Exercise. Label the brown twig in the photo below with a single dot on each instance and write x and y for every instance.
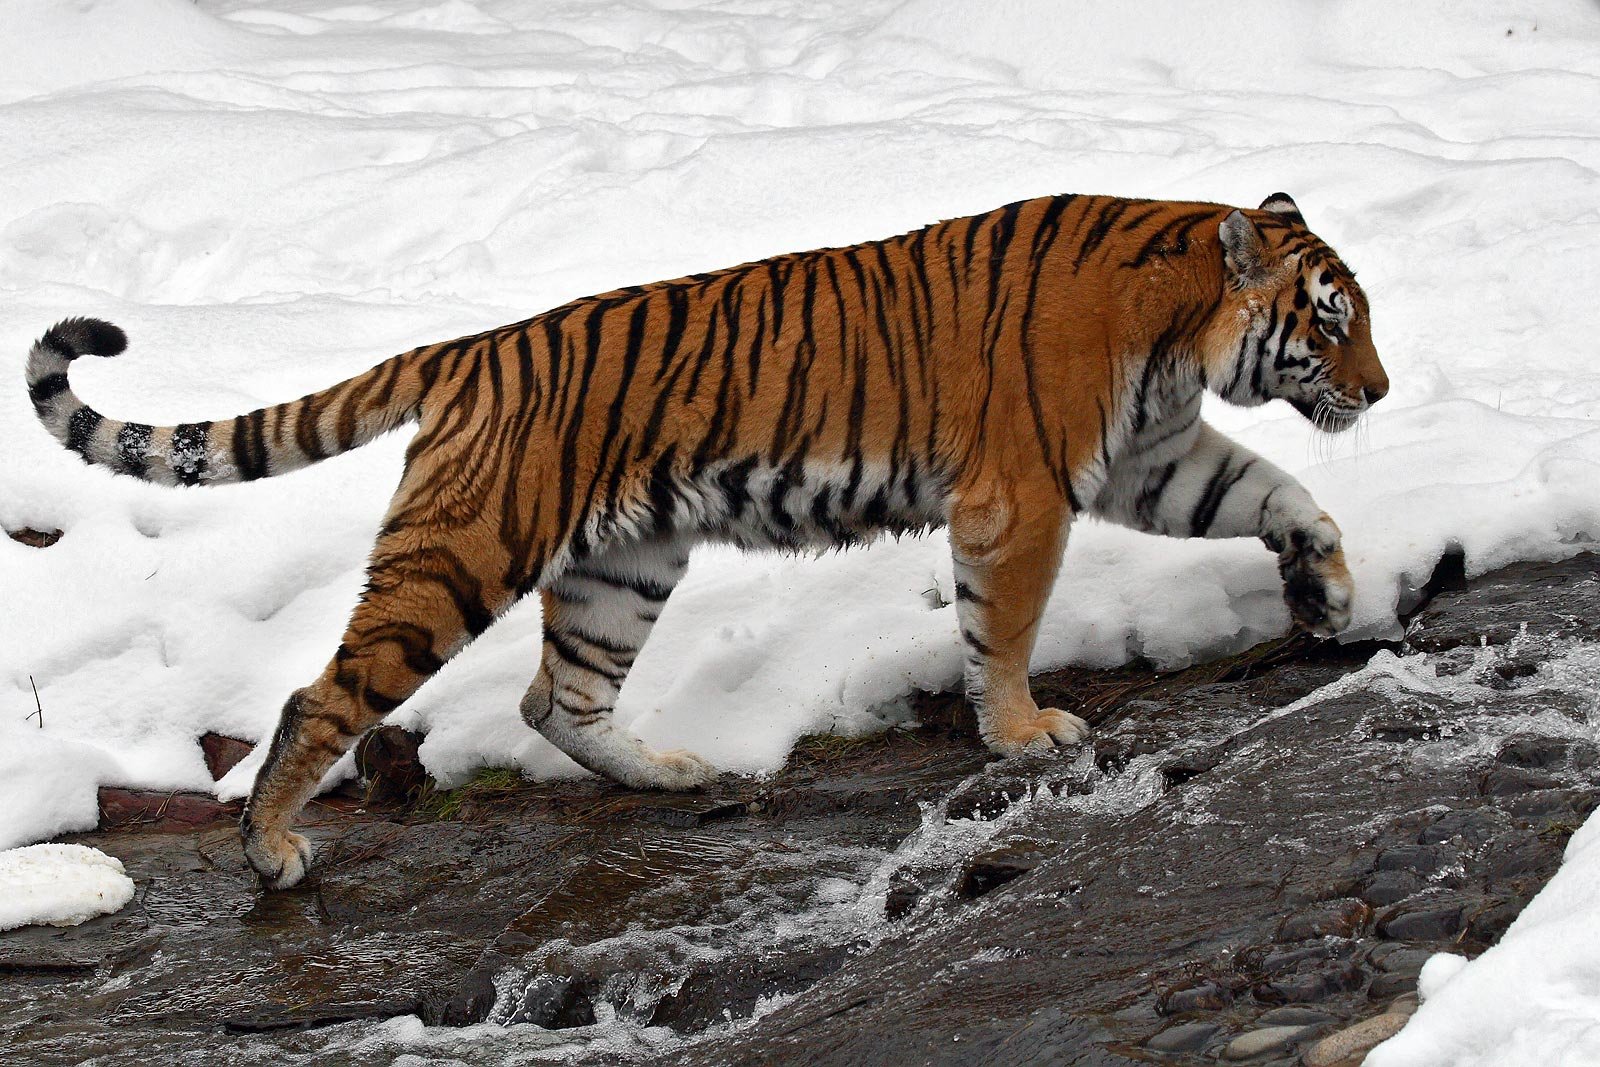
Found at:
(40, 707)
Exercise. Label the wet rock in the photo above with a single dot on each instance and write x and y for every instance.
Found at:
(554, 1002)
(34, 538)
(1280, 959)
(1421, 921)
(1400, 959)
(310, 1018)
(691, 813)
(153, 810)
(1540, 752)
(1260, 1042)
(1404, 730)
(1295, 1016)
(1405, 1004)
(1203, 995)
(1507, 781)
(1390, 887)
(1189, 1037)
(1471, 828)
(1351, 1044)
(46, 962)
(988, 872)
(1449, 575)
(1567, 805)
(906, 888)
(1486, 923)
(1306, 987)
(387, 761)
(1526, 856)
(1421, 859)
(985, 799)
(1543, 599)
(1335, 918)
(222, 753)
(1190, 765)
(1385, 986)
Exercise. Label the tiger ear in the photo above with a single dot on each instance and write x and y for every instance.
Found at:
(1243, 251)
(1283, 204)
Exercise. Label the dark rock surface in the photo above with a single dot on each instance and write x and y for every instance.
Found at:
(1223, 866)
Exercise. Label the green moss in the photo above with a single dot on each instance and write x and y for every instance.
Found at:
(441, 805)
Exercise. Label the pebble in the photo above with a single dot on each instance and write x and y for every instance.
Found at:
(1293, 1016)
(1354, 1041)
(1423, 924)
(1185, 1038)
(1201, 996)
(1336, 918)
(1257, 1042)
(1400, 959)
(1390, 887)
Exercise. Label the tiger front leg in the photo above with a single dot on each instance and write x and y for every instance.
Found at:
(1007, 548)
(1221, 489)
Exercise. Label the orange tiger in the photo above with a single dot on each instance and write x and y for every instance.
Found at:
(999, 375)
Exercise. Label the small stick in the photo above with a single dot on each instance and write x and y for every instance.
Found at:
(40, 707)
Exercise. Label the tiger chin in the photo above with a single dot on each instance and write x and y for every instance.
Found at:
(999, 375)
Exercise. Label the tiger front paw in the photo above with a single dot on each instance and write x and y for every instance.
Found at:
(1038, 732)
(281, 858)
(1316, 582)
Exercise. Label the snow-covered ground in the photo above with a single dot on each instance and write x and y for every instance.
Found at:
(271, 195)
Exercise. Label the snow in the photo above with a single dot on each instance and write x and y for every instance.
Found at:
(271, 195)
(59, 885)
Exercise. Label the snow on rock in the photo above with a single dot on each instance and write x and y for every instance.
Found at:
(272, 195)
(1530, 1001)
(59, 885)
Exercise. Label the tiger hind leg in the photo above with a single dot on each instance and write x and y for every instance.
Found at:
(427, 594)
(1007, 547)
(597, 615)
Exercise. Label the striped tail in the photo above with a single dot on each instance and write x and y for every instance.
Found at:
(266, 442)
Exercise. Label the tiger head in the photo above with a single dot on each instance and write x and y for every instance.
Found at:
(1294, 323)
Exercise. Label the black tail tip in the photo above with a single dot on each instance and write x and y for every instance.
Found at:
(85, 337)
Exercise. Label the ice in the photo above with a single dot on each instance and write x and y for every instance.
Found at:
(59, 885)
(271, 195)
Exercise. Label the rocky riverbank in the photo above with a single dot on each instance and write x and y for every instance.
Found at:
(1248, 863)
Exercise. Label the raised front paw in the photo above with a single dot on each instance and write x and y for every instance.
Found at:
(1038, 732)
(281, 858)
(1316, 582)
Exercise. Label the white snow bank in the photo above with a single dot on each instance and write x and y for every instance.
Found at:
(272, 195)
(1533, 1000)
(59, 885)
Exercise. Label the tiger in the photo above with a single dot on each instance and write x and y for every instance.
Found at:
(999, 375)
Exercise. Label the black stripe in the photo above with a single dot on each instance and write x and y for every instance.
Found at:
(81, 429)
(249, 446)
(133, 448)
(1222, 482)
(187, 453)
(570, 653)
(46, 388)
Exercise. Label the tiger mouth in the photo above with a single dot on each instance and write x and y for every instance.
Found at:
(1326, 414)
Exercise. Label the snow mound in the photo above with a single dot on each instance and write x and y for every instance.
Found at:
(1530, 1001)
(59, 885)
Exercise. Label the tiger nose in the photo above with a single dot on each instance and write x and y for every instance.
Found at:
(1374, 393)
